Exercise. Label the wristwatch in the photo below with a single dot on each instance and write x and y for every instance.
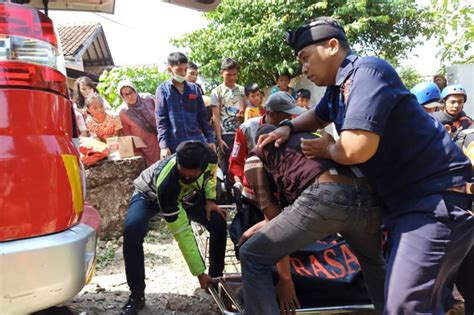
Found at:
(287, 123)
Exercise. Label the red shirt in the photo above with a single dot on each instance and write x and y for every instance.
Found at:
(244, 143)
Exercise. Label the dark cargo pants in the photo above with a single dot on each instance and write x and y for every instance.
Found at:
(426, 246)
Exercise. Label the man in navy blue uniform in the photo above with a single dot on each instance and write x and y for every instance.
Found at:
(387, 134)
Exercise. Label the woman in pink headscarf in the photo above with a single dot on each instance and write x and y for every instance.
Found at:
(137, 114)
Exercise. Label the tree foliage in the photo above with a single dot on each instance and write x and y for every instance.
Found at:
(252, 32)
(451, 25)
(145, 79)
(409, 76)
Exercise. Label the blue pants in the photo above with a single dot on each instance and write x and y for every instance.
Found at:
(140, 212)
(465, 281)
(427, 242)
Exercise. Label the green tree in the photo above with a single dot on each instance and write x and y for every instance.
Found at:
(409, 76)
(253, 32)
(451, 25)
(145, 79)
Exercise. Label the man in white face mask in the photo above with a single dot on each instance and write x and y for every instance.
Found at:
(180, 111)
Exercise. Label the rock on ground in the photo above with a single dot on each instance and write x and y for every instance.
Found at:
(109, 188)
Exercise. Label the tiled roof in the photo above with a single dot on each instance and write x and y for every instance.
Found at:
(73, 37)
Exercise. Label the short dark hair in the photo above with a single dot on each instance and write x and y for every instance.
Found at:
(177, 58)
(344, 44)
(192, 65)
(303, 93)
(251, 88)
(192, 154)
(279, 74)
(229, 64)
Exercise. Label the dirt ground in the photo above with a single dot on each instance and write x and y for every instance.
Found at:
(171, 289)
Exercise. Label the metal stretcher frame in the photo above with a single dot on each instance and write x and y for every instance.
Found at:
(224, 294)
(228, 303)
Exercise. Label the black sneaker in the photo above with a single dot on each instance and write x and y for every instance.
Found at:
(133, 305)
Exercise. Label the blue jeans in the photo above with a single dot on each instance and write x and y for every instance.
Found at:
(426, 246)
(320, 210)
(140, 212)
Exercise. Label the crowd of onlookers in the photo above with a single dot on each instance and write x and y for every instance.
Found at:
(165, 120)
(159, 120)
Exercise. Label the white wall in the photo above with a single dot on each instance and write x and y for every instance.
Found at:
(71, 64)
(300, 82)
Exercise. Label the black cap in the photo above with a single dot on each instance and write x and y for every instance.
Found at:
(316, 30)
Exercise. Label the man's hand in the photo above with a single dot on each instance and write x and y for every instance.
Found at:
(249, 232)
(212, 206)
(205, 281)
(222, 145)
(279, 135)
(239, 186)
(317, 148)
(287, 297)
(240, 116)
(164, 153)
(212, 146)
(237, 190)
(448, 128)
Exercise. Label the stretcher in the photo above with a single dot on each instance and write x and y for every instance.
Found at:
(226, 295)
(348, 293)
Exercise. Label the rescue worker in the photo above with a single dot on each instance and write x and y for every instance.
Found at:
(387, 134)
(452, 116)
(181, 187)
(428, 95)
(464, 138)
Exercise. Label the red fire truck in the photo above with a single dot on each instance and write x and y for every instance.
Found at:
(48, 235)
